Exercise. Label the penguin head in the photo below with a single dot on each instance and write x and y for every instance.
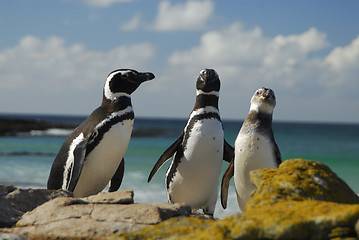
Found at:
(123, 82)
(208, 82)
(263, 101)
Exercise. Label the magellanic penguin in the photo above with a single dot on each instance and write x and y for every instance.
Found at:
(93, 154)
(193, 175)
(255, 148)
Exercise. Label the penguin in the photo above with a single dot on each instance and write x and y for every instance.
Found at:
(254, 148)
(193, 176)
(93, 154)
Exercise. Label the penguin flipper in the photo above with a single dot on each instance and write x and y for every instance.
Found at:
(228, 152)
(228, 174)
(167, 154)
(79, 158)
(277, 154)
(116, 180)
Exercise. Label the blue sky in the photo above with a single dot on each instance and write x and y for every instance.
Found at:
(55, 55)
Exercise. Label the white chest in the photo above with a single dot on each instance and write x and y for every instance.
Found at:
(196, 178)
(204, 147)
(101, 164)
(252, 151)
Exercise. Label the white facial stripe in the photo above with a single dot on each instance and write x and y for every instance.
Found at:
(216, 93)
(70, 160)
(114, 114)
(107, 91)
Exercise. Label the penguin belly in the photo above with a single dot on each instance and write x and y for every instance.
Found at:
(102, 162)
(195, 181)
(252, 151)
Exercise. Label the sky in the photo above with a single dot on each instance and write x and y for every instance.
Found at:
(55, 55)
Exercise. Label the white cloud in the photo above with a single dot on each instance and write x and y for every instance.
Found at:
(191, 15)
(248, 57)
(342, 66)
(308, 86)
(104, 3)
(50, 68)
(48, 75)
(132, 24)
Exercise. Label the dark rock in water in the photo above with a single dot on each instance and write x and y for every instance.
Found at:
(12, 127)
(15, 202)
(151, 131)
(96, 216)
(301, 199)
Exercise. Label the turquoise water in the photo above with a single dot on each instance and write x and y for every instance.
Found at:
(25, 161)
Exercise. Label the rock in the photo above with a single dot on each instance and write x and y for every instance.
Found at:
(299, 200)
(8, 214)
(97, 216)
(13, 126)
(299, 180)
(25, 200)
(9, 236)
(121, 197)
(177, 228)
(287, 220)
(15, 202)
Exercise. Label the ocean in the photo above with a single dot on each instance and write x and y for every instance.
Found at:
(26, 159)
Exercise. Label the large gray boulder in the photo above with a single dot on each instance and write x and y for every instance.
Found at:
(97, 216)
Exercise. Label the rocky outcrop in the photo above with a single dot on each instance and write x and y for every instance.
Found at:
(15, 202)
(302, 199)
(299, 180)
(94, 217)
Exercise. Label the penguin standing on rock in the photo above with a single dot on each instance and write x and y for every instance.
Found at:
(92, 155)
(255, 148)
(199, 151)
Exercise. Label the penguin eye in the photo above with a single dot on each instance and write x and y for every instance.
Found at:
(258, 92)
(124, 76)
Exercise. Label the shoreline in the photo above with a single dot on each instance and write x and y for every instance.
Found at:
(12, 127)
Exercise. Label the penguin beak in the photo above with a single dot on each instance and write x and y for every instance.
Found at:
(147, 76)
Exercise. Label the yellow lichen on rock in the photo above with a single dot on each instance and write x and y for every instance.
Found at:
(302, 199)
(299, 180)
(311, 219)
(174, 228)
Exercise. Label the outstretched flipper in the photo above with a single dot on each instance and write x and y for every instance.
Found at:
(79, 158)
(116, 180)
(228, 152)
(228, 174)
(170, 151)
